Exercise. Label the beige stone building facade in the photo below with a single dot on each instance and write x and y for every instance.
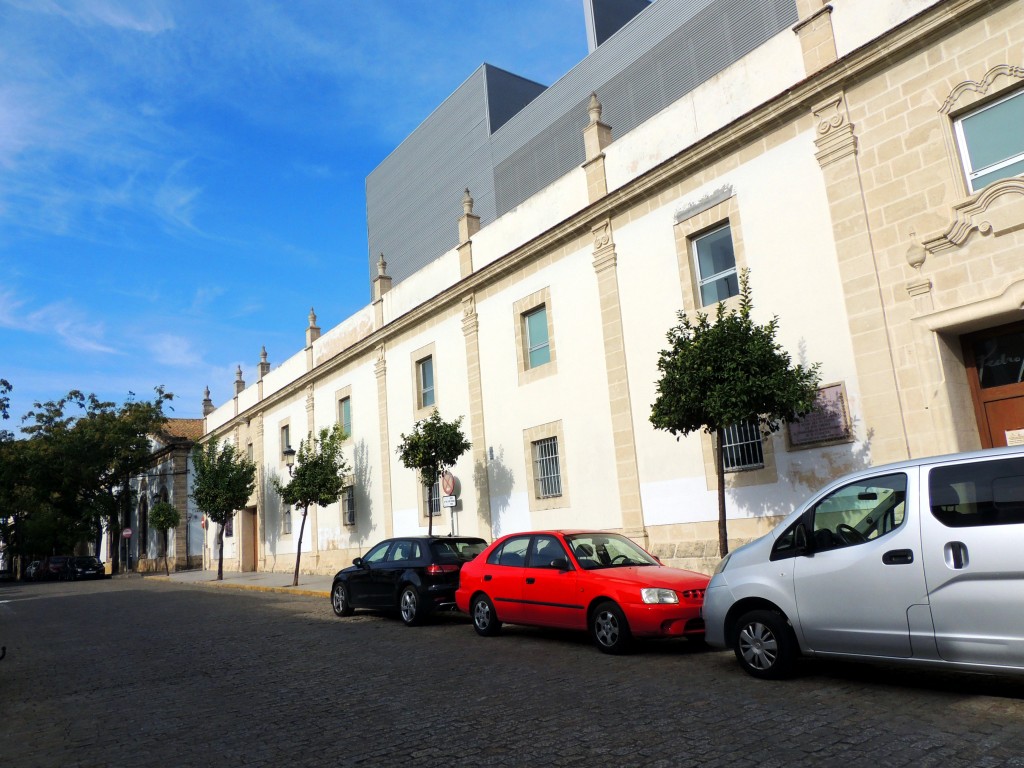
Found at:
(865, 165)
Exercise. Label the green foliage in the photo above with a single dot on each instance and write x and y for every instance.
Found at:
(318, 472)
(731, 371)
(224, 480)
(433, 446)
(164, 516)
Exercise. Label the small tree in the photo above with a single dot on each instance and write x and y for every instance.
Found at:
(317, 478)
(433, 446)
(732, 371)
(224, 481)
(164, 516)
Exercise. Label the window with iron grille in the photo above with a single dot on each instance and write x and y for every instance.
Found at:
(741, 447)
(432, 499)
(286, 520)
(348, 505)
(546, 472)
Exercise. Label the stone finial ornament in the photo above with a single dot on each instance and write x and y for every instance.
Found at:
(382, 267)
(263, 354)
(312, 318)
(467, 203)
(916, 253)
(594, 109)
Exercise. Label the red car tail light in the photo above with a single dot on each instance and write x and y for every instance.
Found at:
(436, 570)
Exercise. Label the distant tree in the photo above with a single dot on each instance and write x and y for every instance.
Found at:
(318, 477)
(729, 372)
(224, 481)
(433, 446)
(164, 516)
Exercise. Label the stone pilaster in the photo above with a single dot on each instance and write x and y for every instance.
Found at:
(312, 334)
(380, 371)
(471, 331)
(626, 470)
(837, 154)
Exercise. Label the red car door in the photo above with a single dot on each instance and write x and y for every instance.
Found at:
(550, 593)
(503, 576)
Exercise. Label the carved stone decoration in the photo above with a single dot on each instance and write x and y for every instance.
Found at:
(830, 114)
(594, 109)
(467, 202)
(996, 210)
(382, 266)
(982, 87)
(836, 138)
(602, 235)
(380, 366)
(309, 397)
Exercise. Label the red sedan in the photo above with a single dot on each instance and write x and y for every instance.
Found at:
(588, 580)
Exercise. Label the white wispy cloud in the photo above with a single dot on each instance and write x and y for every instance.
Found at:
(61, 319)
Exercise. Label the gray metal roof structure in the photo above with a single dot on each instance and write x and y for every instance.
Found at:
(506, 138)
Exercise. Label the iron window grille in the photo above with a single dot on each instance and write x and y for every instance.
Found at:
(742, 447)
(546, 471)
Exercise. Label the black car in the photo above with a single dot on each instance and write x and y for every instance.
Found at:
(55, 568)
(87, 567)
(414, 575)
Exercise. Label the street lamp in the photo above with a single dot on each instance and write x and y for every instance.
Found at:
(289, 460)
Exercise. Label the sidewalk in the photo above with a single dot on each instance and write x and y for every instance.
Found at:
(261, 581)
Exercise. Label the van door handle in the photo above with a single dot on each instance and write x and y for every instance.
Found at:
(956, 555)
(530, 580)
(898, 557)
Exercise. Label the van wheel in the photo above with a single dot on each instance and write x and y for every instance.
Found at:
(765, 645)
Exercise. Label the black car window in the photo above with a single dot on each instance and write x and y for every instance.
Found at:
(978, 493)
(404, 551)
(544, 550)
(512, 552)
(376, 554)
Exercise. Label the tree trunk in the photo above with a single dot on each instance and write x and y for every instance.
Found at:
(167, 565)
(298, 550)
(723, 533)
(430, 514)
(220, 554)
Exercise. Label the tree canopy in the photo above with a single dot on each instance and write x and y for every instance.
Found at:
(732, 371)
(433, 446)
(318, 477)
(224, 481)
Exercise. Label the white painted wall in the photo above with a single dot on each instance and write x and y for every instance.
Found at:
(858, 22)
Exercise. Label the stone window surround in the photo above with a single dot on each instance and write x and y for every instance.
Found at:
(697, 220)
(520, 309)
(339, 395)
(530, 436)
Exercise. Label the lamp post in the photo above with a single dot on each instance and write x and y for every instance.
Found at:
(289, 460)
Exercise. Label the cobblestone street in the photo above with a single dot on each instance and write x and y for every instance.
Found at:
(133, 672)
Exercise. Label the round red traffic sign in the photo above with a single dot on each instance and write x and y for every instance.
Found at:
(448, 483)
(127, 533)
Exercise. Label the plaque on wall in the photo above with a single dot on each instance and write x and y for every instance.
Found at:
(828, 423)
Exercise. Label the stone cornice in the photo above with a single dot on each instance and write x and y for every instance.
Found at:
(916, 33)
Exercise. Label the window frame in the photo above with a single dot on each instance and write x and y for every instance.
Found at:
(521, 311)
(739, 444)
(422, 410)
(538, 503)
(971, 174)
(700, 279)
(345, 415)
(348, 505)
(547, 483)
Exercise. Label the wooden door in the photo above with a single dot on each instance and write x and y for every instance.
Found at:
(995, 371)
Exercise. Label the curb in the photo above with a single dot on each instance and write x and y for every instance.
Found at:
(250, 587)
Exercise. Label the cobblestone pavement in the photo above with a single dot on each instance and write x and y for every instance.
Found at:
(142, 672)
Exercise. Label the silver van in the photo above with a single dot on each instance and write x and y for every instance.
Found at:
(920, 562)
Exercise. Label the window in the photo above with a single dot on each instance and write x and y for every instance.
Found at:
(348, 505)
(249, 453)
(544, 550)
(741, 447)
(345, 415)
(538, 349)
(405, 550)
(978, 493)
(432, 500)
(286, 519)
(858, 512)
(546, 473)
(715, 266)
(376, 555)
(991, 141)
(425, 379)
(512, 552)
(286, 441)
(229, 527)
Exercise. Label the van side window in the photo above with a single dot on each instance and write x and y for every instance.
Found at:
(978, 493)
(860, 512)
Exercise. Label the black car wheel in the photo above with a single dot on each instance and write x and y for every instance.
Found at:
(339, 600)
(764, 645)
(485, 620)
(409, 606)
(609, 628)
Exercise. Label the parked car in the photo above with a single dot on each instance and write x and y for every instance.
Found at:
(55, 567)
(32, 570)
(586, 580)
(414, 575)
(917, 562)
(87, 567)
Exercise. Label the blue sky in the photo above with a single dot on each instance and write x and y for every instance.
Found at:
(181, 180)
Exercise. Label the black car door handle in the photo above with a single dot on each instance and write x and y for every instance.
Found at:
(530, 580)
(487, 577)
(898, 557)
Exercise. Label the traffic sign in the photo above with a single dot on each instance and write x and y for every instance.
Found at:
(448, 483)
(127, 533)
(447, 501)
